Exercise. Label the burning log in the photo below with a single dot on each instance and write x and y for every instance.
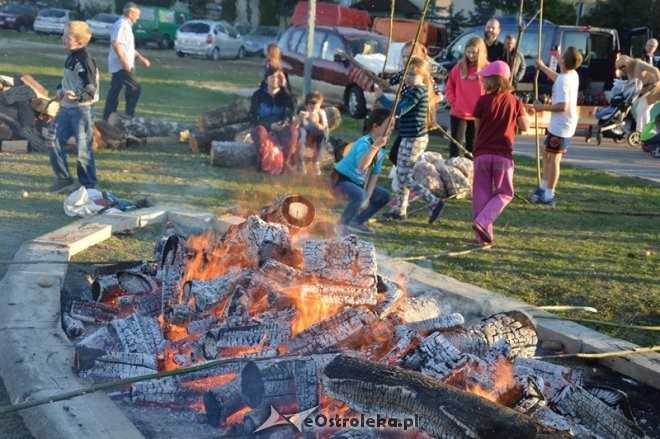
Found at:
(180, 314)
(73, 328)
(207, 294)
(293, 211)
(515, 327)
(254, 233)
(284, 382)
(103, 366)
(445, 322)
(349, 260)
(137, 334)
(238, 308)
(390, 295)
(554, 377)
(201, 326)
(444, 411)
(435, 356)
(93, 312)
(273, 335)
(231, 154)
(107, 288)
(585, 408)
(168, 251)
(340, 329)
(171, 289)
(274, 272)
(222, 401)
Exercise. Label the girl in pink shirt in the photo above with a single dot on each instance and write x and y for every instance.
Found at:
(462, 90)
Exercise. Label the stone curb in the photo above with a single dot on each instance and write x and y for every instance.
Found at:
(37, 358)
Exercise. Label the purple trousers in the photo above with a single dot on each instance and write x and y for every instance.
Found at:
(492, 189)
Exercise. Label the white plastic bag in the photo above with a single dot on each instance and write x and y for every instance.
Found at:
(81, 202)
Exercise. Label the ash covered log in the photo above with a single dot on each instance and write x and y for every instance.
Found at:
(237, 312)
(92, 312)
(513, 326)
(584, 408)
(180, 314)
(273, 271)
(169, 251)
(144, 127)
(390, 294)
(349, 260)
(107, 288)
(137, 334)
(231, 154)
(444, 411)
(236, 112)
(554, 377)
(222, 401)
(171, 289)
(294, 211)
(338, 293)
(254, 233)
(283, 382)
(340, 329)
(254, 336)
(201, 326)
(72, 327)
(113, 365)
(446, 322)
(209, 293)
(435, 356)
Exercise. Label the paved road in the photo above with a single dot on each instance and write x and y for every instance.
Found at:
(617, 158)
(609, 156)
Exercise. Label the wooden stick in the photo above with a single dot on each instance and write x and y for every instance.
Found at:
(622, 212)
(118, 383)
(8, 262)
(600, 322)
(389, 40)
(439, 255)
(601, 354)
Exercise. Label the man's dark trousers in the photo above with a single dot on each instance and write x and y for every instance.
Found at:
(120, 79)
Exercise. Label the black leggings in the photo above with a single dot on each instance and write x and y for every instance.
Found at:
(464, 131)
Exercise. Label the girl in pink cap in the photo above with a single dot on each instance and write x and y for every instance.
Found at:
(496, 115)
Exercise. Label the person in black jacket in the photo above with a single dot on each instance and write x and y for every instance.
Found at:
(271, 111)
(494, 46)
(648, 54)
(77, 92)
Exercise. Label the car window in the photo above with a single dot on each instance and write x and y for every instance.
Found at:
(601, 46)
(147, 14)
(301, 48)
(295, 39)
(330, 46)
(231, 31)
(52, 13)
(221, 29)
(365, 45)
(579, 40)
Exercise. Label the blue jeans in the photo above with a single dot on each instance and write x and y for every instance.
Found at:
(360, 207)
(75, 122)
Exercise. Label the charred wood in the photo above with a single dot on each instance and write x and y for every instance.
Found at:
(137, 334)
(92, 312)
(340, 329)
(73, 328)
(254, 233)
(237, 112)
(446, 322)
(207, 294)
(254, 336)
(349, 261)
(514, 326)
(443, 411)
(294, 211)
(390, 294)
(180, 314)
(222, 401)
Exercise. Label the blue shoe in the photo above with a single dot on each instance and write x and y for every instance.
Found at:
(537, 195)
(396, 216)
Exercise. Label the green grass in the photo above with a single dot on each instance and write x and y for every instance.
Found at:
(542, 256)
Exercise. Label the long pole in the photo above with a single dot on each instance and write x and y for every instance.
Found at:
(536, 98)
(309, 50)
(389, 39)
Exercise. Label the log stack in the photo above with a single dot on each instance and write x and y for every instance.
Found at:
(25, 108)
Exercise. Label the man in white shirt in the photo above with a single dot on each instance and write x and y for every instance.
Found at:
(121, 63)
(563, 120)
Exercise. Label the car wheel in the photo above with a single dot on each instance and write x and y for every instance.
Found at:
(241, 53)
(215, 55)
(634, 138)
(655, 152)
(356, 104)
(180, 54)
(164, 42)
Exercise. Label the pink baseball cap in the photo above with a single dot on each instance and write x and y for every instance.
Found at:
(496, 68)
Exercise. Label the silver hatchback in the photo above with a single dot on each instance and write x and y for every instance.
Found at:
(210, 39)
(53, 20)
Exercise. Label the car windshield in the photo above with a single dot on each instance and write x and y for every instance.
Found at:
(106, 18)
(366, 45)
(195, 28)
(265, 31)
(14, 9)
(54, 13)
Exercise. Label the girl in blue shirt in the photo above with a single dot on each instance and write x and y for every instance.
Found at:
(354, 179)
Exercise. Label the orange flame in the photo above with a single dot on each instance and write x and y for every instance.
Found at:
(310, 310)
(502, 376)
(237, 416)
(206, 262)
(208, 383)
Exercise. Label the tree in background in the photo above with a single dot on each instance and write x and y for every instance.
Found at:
(556, 11)
(455, 22)
(626, 14)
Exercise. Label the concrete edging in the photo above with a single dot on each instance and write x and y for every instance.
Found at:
(33, 341)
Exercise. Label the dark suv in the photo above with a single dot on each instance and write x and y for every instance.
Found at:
(330, 72)
(17, 16)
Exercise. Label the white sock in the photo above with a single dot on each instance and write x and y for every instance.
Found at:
(544, 185)
(549, 194)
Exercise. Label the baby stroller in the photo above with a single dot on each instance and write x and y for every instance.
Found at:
(612, 119)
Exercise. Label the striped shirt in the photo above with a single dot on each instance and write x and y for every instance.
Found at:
(411, 111)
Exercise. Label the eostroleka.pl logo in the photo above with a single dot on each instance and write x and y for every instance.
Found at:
(320, 420)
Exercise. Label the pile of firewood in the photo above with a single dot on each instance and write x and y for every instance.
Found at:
(25, 109)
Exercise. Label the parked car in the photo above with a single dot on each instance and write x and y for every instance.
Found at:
(208, 38)
(257, 40)
(330, 71)
(17, 16)
(101, 25)
(159, 25)
(53, 20)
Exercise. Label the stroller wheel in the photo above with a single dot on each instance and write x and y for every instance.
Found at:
(655, 152)
(618, 139)
(634, 138)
